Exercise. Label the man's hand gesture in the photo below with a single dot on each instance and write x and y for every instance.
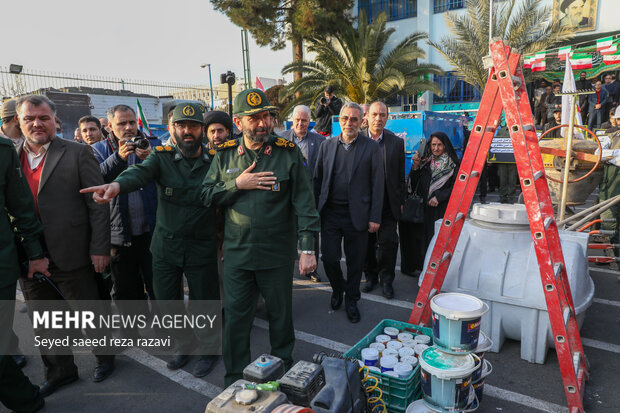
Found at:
(259, 180)
(103, 194)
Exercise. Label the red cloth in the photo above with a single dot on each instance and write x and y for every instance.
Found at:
(33, 176)
(598, 97)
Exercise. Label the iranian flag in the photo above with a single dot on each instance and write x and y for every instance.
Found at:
(539, 66)
(610, 50)
(612, 59)
(539, 57)
(259, 84)
(527, 62)
(581, 61)
(142, 122)
(564, 52)
(602, 44)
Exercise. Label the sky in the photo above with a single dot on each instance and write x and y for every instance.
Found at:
(134, 39)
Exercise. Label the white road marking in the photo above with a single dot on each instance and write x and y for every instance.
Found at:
(607, 302)
(601, 345)
(309, 338)
(180, 376)
(604, 270)
(523, 400)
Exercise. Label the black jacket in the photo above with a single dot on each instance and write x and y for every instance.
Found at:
(556, 133)
(323, 114)
(366, 182)
(394, 167)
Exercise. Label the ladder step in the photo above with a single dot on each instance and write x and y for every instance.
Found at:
(474, 174)
(459, 216)
(567, 315)
(528, 127)
(548, 222)
(538, 175)
(557, 269)
(576, 362)
(446, 256)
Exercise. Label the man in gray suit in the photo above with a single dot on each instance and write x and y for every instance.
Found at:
(309, 143)
(348, 183)
(76, 231)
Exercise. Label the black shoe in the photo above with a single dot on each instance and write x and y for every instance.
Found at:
(177, 362)
(336, 300)
(103, 371)
(483, 199)
(352, 312)
(20, 360)
(314, 277)
(204, 366)
(388, 290)
(369, 286)
(51, 386)
(37, 405)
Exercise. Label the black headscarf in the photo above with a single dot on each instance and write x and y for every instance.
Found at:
(448, 148)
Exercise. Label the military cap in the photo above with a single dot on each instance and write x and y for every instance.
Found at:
(188, 111)
(8, 109)
(217, 116)
(252, 101)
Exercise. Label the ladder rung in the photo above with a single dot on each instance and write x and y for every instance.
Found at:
(528, 127)
(474, 173)
(459, 216)
(446, 256)
(548, 222)
(557, 269)
(538, 175)
(576, 361)
(567, 314)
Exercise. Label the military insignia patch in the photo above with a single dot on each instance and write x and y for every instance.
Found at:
(276, 187)
(254, 99)
(268, 150)
(202, 108)
(159, 148)
(211, 151)
(284, 143)
(168, 148)
(228, 144)
(188, 110)
(240, 150)
(168, 191)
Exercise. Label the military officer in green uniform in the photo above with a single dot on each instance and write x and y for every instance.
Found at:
(263, 184)
(16, 391)
(184, 236)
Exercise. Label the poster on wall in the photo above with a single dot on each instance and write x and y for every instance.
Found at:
(577, 14)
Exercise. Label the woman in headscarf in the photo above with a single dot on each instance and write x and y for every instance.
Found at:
(432, 175)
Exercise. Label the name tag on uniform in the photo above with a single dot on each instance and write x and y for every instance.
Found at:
(275, 187)
(168, 191)
(229, 171)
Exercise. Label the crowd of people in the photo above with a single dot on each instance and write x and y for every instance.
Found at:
(145, 214)
(597, 109)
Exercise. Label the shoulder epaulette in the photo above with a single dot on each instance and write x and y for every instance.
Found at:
(163, 148)
(231, 143)
(284, 143)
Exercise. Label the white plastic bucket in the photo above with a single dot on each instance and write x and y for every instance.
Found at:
(406, 351)
(456, 322)
(394, 345)
(484, 345)
(410, 359)
(423, 339)
(370, 356)
(418, 406)
(382, 338)
(380, 347)
(446, 379)
(405, 336)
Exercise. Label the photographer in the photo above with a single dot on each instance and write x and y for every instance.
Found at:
(328, 106)
(132, 215)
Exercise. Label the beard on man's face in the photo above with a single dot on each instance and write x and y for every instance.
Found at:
(188, 148)
(258, 135)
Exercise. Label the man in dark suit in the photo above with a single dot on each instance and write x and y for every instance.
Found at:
(383, 245)
(309, 143)
(76, 231)
(348, 182)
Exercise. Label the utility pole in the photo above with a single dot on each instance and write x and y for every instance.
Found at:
(245, 51)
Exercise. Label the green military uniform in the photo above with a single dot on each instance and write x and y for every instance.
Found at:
(260, 236)
(16, 391)
(184, 240)
(610, 187)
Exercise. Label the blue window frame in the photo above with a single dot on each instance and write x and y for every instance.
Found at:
(454, 89)
(395, 9)
(442, 5)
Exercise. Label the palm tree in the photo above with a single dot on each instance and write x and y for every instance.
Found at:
(529, 29)
(357, 63)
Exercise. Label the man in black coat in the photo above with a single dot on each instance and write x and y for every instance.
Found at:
(348, 182)
(553, 122)
(383, 245)
(328, 106)
(309, 143)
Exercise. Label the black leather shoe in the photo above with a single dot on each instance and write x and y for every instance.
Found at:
(369, 286)
(336, 300)
(204, 366)
(20, 360)
(37, 405)
(103, 371)
(314, 277)
(352, 312)
(51, 386)
(388, 290)
(177, 362)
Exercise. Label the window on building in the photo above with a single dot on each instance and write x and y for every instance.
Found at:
(395, 9)
(443, 5)
(454, 89)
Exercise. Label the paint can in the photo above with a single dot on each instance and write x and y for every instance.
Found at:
(479, 384)
(484, 345)
(391, 331)
(403, 370)
(380, 347)
(388, 363)
(370, 356)
(423, 339)
(405, 336)
(446, 379)
(456, 322)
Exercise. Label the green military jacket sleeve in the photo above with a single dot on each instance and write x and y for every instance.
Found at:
(262, 227)
(18, 213)
(185, 228)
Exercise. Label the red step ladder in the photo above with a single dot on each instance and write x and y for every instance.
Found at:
(505, 90)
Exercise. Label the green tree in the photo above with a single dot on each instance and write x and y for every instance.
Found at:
(529, 28)
(360, 66)
(272, 22)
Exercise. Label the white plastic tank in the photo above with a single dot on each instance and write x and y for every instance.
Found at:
(495, 261)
